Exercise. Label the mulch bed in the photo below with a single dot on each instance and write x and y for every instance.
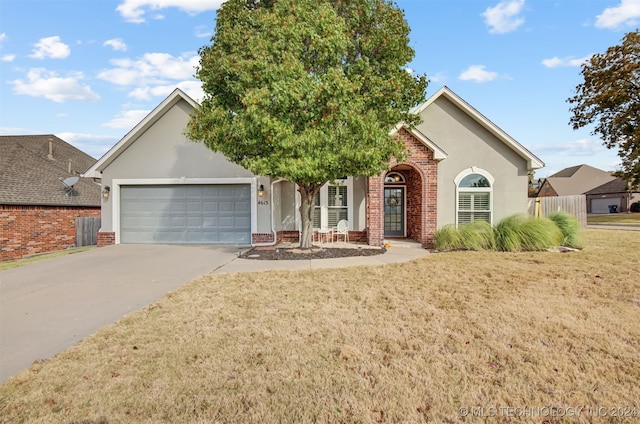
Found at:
(306, 254)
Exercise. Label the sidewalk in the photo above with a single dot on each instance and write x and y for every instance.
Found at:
(400, 251)
(614, 227)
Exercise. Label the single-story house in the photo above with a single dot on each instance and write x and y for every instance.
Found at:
(40, 198)
(604, 192)
(165, 188)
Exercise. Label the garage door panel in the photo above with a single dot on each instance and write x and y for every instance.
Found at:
(602, 205)
(212, 214)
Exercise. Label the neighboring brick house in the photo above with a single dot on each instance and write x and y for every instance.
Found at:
(603, 191)
(164, 188)
(37, 211)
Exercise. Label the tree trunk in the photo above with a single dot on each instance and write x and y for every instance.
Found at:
(307, 195)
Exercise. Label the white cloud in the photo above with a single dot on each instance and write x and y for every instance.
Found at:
(504, 17)
(192, 88)
(581, 147)
(92, 144)
(202, 31)
(48, 84)
(8, 58)
(624, 14)
(134, 10)
(13, 130)
(556, 62)
(3, 38)
(477, 73)
(440, 77)
(116, 44)
(153, 68)
(127, 119)
(50, 47)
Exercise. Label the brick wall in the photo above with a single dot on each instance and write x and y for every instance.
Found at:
(260, 238)
(26, 230)
(422, 192)
(106, 238)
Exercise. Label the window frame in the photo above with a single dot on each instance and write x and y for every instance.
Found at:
(459, 190)
(324, 207)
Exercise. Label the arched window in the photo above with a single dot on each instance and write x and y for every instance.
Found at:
(474, 196)
(394, 178)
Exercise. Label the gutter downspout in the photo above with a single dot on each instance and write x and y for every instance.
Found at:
(273, 230)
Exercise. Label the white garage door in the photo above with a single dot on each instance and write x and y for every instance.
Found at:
(199, 214)
(602, 205)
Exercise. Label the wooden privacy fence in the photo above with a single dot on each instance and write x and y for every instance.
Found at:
(87, 231)
(545, 206)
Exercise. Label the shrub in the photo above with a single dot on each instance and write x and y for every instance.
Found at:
(507, 234)
(518, 233)
(477, 235)
(570, 228)
(447, 238)
(635, 207)
(540, 234)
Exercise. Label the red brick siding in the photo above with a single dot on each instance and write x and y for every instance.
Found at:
(27, 230)
(294, 236)
(259, 238)
(547, 190)
(422, 191)
(106, 238)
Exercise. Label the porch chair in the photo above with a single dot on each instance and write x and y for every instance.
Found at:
(342, 229)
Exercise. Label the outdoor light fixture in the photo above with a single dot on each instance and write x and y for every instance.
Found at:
(105, 192)
(261, 191)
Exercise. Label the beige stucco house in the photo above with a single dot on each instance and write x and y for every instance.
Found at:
(161, 187)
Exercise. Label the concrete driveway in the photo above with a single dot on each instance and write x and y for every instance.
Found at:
(48, 306)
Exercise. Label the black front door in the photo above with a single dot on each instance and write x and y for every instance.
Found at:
(394, 211)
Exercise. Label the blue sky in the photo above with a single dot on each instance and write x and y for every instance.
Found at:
(89, 71)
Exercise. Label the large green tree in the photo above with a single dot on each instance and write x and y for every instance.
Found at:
(609, 97)
(307, 90)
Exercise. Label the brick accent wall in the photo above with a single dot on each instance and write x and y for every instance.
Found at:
(421, 192)
(261, 238)
(27, 230)
(294, 236)
(106, 238)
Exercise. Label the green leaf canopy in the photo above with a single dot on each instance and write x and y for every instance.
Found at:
(307, 90)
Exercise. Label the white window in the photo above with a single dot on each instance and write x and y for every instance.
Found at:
(332, 203)
(474, 192)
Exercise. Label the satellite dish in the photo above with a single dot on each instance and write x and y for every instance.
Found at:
(69, 184)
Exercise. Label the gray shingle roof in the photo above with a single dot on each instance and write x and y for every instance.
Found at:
(612, 187)
(29, 175)
(578, 179)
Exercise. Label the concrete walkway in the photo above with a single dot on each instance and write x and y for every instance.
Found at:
(50, 305)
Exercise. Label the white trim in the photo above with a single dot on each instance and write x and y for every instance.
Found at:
(117, 183)
(324, 201)
(533, 162)
(466, 172)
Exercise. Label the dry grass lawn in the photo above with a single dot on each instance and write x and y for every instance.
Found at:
(411, 343)
(614, 219)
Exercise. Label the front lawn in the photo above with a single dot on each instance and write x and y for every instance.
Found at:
(425, 341)
(614, 219)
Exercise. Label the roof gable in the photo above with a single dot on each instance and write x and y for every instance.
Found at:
(579, 179)
(533, 162)
(31, 167)
(153, 116)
